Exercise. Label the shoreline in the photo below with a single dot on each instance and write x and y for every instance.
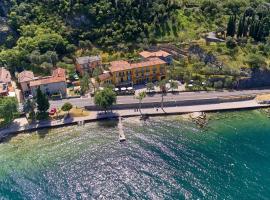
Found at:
(21, 125)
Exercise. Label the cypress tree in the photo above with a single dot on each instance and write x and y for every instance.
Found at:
(252, 27)
(260, 32)
(42, 101)
(246, 27)
(257, 30)
(231, 26)
(240, 28)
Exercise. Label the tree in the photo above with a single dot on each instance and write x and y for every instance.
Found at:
(228, 82)
(234, 7)
(8, 109)
(140, 97)
(85, 83)
(231, 43)
(29, 107)
(105, 98)
(231, 27)
(256, 61)
(163, 89)
(218, 84)
(43, 104)
(210, 8)
(150, 86)
(67, 107)
(96, 72)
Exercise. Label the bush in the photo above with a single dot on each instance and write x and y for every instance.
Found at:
(231, 43)
(218, 84)
(67, 107)
(228, 82)
(256, 61)
(42, 116)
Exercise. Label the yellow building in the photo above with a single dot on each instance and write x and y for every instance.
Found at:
(123, 73)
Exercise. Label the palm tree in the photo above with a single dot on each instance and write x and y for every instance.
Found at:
(163, 89)
(140, 97)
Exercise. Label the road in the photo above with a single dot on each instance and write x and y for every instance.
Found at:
(81, 102)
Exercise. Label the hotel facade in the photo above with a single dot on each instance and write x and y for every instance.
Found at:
(123, 73)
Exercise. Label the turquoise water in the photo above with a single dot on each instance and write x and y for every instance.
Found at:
(163, 158)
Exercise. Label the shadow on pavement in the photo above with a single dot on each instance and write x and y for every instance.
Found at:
(6, 137)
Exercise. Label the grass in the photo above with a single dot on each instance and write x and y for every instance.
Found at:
(74, 112)
(264, 97)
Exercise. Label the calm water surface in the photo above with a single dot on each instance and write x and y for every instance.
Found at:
(163, 158)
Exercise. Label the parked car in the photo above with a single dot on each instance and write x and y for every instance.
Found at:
(53, 111)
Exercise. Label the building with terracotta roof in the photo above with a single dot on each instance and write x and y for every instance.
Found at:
(5, 76)
(55, 84)
(5, 81)
(123, 73)
(24, 79)
(87, 64)
(167, 57)
(105, 77)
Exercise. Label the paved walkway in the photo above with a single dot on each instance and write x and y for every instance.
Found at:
(82, 102)
(21, 125)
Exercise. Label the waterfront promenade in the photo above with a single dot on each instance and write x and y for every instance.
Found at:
(182, 96)
(21, 125)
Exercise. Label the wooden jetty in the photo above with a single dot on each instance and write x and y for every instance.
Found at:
(122, 136)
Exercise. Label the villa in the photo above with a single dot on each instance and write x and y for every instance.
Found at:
(24, 79)
(54, 84)
(87, 64)
(5, 81)
(123, 73)
(163, 55)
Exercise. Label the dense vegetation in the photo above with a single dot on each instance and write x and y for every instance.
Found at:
(49, 30)
(50, 33)
(8, 110)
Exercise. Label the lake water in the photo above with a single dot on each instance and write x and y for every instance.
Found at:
(163, 158)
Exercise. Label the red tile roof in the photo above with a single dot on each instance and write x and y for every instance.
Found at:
(124, 65)
(104, 76)
(5, 76)
(151, 62)
(58, 75)
(25, 76)
(148, 54)
(47, 80)
(119, 65)
(59, 72)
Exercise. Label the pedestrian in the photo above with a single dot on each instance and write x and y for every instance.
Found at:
(157, 109)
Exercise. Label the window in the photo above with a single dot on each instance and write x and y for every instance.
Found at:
(154, 70)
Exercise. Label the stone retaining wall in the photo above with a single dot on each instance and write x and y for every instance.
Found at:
(175, 103)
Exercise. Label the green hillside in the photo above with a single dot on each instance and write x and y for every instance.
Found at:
(49, 33)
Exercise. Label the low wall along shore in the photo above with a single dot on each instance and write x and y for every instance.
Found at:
(175, 103)
(126, 110)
